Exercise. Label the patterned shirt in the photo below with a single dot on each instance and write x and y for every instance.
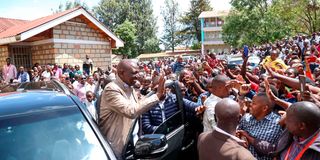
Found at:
(266, 129)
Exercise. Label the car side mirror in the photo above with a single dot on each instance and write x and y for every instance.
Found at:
(150, 146)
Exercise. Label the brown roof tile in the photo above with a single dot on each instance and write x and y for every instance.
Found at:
(6, 23)
(17, 29)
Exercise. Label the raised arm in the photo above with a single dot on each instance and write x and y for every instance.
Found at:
(294, 83)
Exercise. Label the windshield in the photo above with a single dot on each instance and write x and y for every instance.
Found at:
(53, 135)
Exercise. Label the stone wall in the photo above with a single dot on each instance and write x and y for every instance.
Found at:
(4, 54)
(77, 29)
(43, 54)
(74, 53)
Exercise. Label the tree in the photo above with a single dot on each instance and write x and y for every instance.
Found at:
(253, 22)
(302, 16)
(112, 12)
(152, 45)
(141, 14)
(127, 32)
(170, 15)
(70, 5)
(191, 23)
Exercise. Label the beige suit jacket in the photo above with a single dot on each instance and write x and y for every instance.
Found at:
(118, 109)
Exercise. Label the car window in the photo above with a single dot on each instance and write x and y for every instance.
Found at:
(172, 123)
(62, 134)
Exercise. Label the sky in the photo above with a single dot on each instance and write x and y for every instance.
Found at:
(33, 9)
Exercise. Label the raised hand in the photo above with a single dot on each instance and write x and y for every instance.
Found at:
(199, 110)
(161, 91)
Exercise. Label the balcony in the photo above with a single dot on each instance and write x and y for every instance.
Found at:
(213, 24)
(213, 29)
(213, 42)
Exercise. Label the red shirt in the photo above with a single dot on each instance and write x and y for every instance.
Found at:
(254, 86)
(212, 62)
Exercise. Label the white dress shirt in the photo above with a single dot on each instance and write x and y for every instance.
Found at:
(208, 116)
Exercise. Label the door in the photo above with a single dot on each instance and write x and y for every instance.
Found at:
(174, 128)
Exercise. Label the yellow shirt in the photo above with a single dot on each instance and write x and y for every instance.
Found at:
(276, 64)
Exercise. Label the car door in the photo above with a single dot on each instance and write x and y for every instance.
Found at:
(174, 127)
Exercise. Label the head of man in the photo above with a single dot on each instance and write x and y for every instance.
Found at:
(212, 55)
(48, 68)
(147, 82)
(219, 87)
(83, 79)
(183, 89)
(227, 113)
(128, 71)
(291, 72)
(179, 59)
(63, 78)
(274, 54)
(90, 96)
(303, 119)
(8, 60)
(261, 106)
(96, 76)
(87, 57)
(316, 72)
(90, 80)
(298, 67)
(184, 74)
(65, 66)
(77, 67)
(21, 69)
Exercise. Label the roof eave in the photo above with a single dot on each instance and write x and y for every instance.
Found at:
(9, 40)
(34, 31)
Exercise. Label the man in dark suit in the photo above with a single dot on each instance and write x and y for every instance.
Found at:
(221, 143)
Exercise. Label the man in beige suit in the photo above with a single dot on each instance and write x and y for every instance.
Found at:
(221, 143)
(120, 105)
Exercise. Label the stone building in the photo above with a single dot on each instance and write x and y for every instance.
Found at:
(65, 37)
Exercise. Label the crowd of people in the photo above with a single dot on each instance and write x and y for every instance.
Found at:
(263, 112)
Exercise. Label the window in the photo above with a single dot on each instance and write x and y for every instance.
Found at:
(55, 134)
(172, 123)
(21, 56)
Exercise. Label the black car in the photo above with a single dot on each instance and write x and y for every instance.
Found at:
(43, 120)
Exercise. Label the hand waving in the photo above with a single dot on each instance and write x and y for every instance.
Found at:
(161, 88)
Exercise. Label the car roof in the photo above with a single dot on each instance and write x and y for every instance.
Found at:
(52, 85)
(16, 103)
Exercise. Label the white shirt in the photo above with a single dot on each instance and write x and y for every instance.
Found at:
(88, 61)
(90, 87)
(75, 84)
(208, 116)
(227, 134)
(161, 104)
(46, 75)
(92, 109)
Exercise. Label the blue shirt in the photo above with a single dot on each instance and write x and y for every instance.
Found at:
(178, 67)
(266, 129)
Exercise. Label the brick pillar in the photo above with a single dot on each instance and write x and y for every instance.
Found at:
(4, 54)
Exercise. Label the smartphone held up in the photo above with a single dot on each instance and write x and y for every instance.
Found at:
(302, 80)
(245, 51)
